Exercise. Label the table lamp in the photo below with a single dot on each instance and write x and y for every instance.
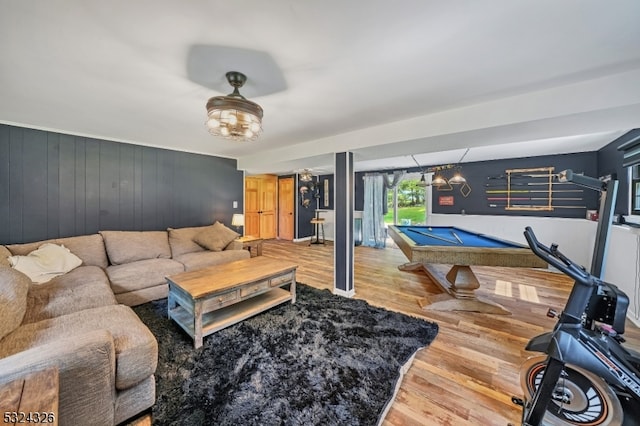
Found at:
(237, 220)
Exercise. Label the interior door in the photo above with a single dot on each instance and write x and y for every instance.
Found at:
(286, 208)
(260, 194)
(268, 208)
(252, 206)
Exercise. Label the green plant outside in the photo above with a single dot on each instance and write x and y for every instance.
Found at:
(416, 214)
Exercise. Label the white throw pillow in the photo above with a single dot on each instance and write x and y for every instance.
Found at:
(46, 263)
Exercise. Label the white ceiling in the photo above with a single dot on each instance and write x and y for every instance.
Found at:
(382, 79)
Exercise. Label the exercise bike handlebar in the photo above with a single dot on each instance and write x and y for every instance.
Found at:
(552, 256)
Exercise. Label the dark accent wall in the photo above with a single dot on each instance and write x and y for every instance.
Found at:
(477, 173)
(57, 185)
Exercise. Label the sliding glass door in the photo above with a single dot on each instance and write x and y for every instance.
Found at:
(406, 203)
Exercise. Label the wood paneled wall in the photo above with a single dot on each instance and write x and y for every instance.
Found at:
(56, 185)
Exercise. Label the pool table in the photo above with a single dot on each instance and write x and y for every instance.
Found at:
(425, 246)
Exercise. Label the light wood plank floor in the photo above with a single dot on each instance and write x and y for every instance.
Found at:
(469, 373)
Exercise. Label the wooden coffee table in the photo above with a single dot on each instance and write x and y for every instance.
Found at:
(205, 301)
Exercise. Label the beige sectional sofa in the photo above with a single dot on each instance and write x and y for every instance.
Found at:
(80, 323)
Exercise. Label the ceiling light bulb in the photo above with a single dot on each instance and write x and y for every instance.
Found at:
(224, 130)
(233, 120)
(213, 123)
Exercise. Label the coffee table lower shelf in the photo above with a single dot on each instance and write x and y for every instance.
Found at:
(217, 320)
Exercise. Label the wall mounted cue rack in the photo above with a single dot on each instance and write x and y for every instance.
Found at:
(531, 190)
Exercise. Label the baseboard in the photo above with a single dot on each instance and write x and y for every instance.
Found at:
(344, 293)
(299, 240)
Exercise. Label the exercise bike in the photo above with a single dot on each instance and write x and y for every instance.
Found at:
(587, 376)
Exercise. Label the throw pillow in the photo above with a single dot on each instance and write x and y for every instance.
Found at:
(45, 263)
(14, 287)
(216, 237)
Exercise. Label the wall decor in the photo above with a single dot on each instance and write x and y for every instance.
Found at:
(445, 200)
(308, 192)
(326, 193)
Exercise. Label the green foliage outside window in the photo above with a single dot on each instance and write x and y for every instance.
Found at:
(411, 205)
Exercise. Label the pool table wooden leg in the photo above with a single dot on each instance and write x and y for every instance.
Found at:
(410, 266)
(460, 284)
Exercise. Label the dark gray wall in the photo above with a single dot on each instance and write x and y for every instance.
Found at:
(478, 172)
(57, 185)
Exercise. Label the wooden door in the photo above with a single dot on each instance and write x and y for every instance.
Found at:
(268, 207)
(260, 194)
(252, 206)
(286, 209)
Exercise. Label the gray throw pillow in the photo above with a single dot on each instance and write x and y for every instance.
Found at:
(216, 237)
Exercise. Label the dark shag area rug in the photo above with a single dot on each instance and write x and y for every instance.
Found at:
(325, 360)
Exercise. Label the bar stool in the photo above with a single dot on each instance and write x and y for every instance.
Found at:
(318, 223)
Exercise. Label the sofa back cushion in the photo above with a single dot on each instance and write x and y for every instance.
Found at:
(130, 246)
(4, 256)
(14, 286)
(182, 240)
(89, 248)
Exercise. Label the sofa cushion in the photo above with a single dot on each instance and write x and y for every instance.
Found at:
(204, 259)
(142, 274)
(14, 286)
(130, 246)
(46, 262)
(89, 248)
(136, 348)
(85, 287)
(182, 240)
(216, 237)
(4, 256)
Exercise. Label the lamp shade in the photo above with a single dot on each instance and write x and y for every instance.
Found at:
(439, 181)
(457, 179)
(237, 220)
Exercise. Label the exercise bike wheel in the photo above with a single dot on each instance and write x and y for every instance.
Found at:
(580, 397)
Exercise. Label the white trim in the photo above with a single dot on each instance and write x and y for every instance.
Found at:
(343, 293)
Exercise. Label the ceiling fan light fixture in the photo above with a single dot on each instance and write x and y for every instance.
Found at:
(233, 116)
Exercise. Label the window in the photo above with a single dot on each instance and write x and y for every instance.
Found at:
(408, 200)
(635, 190)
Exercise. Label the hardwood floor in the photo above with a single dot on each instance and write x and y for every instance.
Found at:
(468, 375)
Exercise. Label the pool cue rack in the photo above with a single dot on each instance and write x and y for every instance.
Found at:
(532, 189)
